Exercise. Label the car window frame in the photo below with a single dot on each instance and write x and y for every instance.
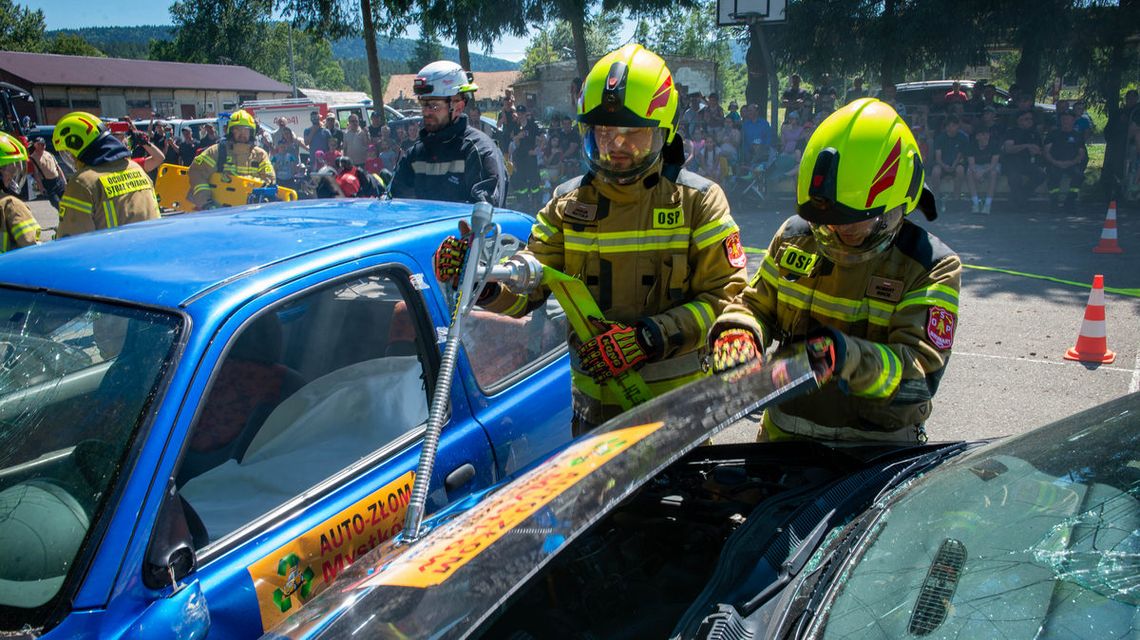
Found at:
(401, 275)
(60, 606)
(530, 368)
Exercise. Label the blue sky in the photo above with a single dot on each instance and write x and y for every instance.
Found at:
(71, 14)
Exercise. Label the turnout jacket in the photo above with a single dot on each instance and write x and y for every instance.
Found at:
(897, 312)
(456, 164)
(242, 159)
(108, 191)
(19, 227)
(664, 251)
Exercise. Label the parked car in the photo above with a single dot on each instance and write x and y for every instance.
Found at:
(207, 418)
(932, 93)
(636, 531)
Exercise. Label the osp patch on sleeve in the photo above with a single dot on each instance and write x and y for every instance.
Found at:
(940, 325)
(734, 251)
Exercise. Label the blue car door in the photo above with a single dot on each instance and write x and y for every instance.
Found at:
(302, 431)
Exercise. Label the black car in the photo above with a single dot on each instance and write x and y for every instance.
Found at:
(635, 531)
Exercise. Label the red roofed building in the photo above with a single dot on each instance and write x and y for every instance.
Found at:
(116, 87)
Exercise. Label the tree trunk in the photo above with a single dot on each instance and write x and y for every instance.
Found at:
(1027, 75)
(756, 89)
(462, 38)
(1115, 142)
(887, 63)
(578, 28)
(375, 83)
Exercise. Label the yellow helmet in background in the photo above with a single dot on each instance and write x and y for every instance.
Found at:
(861, 165)
(241, 118)
(13, 163)
(628, 101)
(76, 131)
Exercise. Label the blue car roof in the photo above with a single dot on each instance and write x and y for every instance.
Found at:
(171, 261)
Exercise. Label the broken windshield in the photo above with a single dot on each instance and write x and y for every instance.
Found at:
(1034, 537)
(76, 379)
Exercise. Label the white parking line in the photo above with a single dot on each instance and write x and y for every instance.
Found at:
(1131, 387)
(1134, 386)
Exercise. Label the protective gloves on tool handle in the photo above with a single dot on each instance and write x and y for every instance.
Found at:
(615, 349)
(734, 346)
(452, 252)
(825, 349)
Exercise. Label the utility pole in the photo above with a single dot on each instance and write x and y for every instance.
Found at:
(292, 65)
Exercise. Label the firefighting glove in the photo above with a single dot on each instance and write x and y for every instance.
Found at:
(826, 350)
(449, 257)
(733, 347)
(613, 351)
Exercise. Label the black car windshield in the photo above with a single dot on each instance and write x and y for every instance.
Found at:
(1035, 537)
(76, 380)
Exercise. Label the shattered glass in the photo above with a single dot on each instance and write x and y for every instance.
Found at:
(1049, 529)
(76, 379)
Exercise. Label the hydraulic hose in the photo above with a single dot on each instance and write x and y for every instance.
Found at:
(480, 224)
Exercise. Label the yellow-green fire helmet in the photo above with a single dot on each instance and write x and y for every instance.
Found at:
(627, 90)
(76, 131)
(861, 164)
(241, 118)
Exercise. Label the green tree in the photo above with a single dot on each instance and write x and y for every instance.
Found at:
(478, 21)
(428, 50)
(312, 56)
(21, 29)
(219, 32)
(557, 42)
(339, 18)
(69, 44)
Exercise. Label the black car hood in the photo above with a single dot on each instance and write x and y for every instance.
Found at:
(449, 581)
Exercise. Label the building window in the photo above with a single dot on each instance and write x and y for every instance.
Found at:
(84, 104)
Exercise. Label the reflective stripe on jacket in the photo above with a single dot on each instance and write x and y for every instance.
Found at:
(106, 196)
(898, 313)
(663, 251)
(242, 159)
(19, 225)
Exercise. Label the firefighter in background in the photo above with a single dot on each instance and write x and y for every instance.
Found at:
(874, 296)
(451, 160)
(108, 189)
(19, 227)
(236, 155)
(655, 244)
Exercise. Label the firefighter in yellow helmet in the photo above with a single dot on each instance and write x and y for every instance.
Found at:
(655, 244)
(108, 190)
(236, 155)
(18, 226)
(874, 296)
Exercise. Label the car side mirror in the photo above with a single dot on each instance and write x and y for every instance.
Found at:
(170, 556)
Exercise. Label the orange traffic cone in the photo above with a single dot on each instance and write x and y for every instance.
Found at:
(1091, 343)
(1107, 242)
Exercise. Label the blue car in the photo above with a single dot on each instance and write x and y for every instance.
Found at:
(205, 419)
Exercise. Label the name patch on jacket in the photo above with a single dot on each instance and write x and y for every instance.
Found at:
(124, 182)
(668, 218)
(940, 325)
(798, 261)
(581, 211)
(885, 289)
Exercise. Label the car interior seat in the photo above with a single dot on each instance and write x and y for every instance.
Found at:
(250, 383)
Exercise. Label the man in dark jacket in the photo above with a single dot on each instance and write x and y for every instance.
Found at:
(450, 161)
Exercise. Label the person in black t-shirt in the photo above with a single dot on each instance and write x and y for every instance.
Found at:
(950, 149)
(983, 166)
(1021, 157)
(1065, 156)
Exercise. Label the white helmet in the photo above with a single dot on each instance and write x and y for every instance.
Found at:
(443, 79)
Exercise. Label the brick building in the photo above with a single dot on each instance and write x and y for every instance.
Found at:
(115, 87)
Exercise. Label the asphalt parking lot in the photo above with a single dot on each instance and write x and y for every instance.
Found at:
(1024, 292)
